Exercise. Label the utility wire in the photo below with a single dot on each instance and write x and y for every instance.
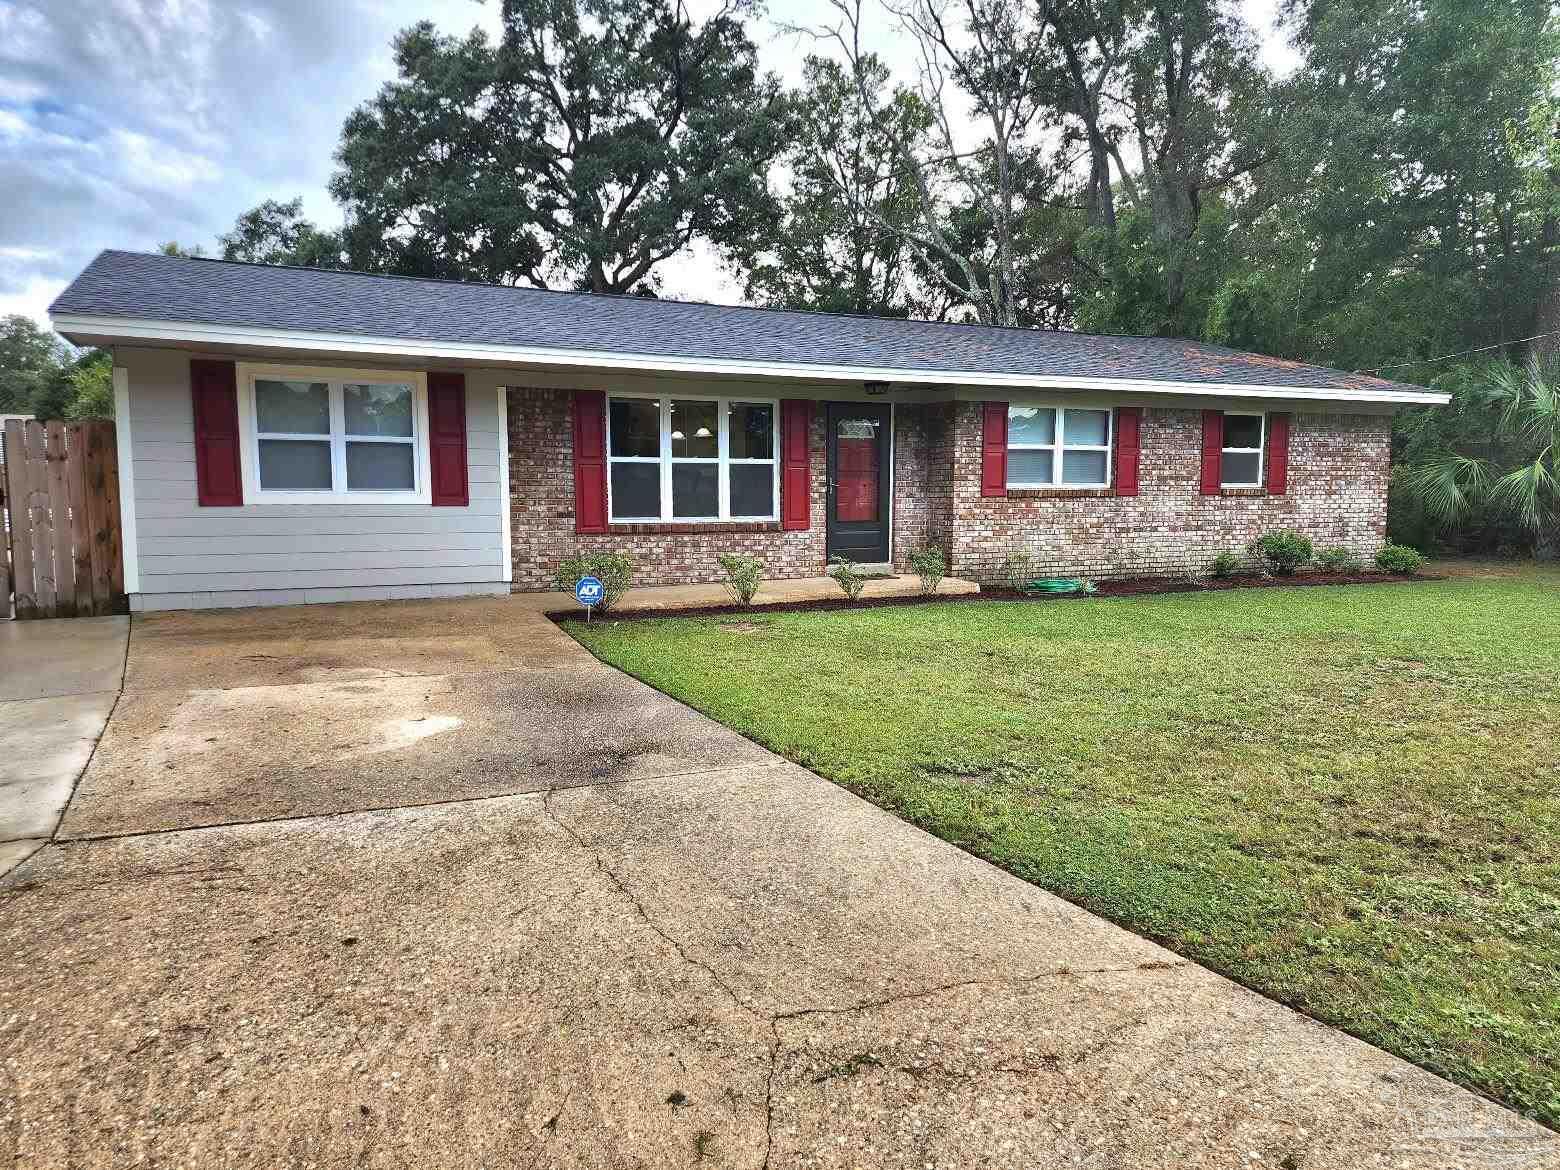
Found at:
(1446, 357)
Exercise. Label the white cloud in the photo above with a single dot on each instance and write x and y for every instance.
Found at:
(145, 162)
(32, 298)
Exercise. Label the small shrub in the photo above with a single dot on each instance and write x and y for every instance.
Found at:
(744, 575)
(931, 566)
(1283, 551)
(1339, 560)
(848, 576)
(614, 569)
(1400, 559)
(1018, 571)
(1225, 564)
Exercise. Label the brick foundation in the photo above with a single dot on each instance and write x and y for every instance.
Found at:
(1338, 467)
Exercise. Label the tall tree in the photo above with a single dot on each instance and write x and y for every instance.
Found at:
(594, 141)
(1176, 112)
(29, 357)
(1407, 169)
(273, 232)
(840, 244)
(1195, 86)
(979, 77)
(1092, 39)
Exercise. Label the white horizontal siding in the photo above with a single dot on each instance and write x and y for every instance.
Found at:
(242, 524)
(262, 554)
(300, 547)
(152, 582)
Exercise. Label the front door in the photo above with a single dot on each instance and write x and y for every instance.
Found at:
(858, 482)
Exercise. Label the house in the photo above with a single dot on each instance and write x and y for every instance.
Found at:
(293, 435)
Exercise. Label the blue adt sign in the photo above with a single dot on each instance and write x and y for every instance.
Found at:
(588, 591)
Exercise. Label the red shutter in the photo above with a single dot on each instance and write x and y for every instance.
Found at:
(1278, 454)
(795, 464)
(993, 448)
(1212, 452)
(1129, 421)
(447, 440)
(214, 389)
(590, 461)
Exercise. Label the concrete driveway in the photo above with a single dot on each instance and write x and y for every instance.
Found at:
(400, 885)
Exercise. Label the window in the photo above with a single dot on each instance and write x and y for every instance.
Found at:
(1055, 446)
(1241, 462)
(682, 459)
(328, 434)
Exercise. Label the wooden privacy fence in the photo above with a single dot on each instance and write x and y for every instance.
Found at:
(59, 491)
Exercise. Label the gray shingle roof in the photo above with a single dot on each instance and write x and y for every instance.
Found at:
(154, 287)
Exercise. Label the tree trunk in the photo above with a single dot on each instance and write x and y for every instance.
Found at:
(1546, 347)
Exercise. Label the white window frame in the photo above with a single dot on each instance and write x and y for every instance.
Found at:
(335, 377)
(723, 459)
(1260, 450)
(1059, 445)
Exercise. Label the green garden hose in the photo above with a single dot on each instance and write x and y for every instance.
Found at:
(1055, 585)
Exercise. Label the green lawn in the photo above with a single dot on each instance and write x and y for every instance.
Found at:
(1348, 798)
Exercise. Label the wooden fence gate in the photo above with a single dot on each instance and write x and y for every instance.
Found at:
(59, 492)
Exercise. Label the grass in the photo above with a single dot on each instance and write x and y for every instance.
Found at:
(1345, 797)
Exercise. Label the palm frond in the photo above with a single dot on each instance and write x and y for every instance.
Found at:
(1448, 485)
(1529, 491)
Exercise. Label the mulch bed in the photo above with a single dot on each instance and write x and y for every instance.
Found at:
(1141, 586)
(1123, 587)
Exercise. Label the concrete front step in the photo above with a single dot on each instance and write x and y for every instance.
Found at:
(770, 593)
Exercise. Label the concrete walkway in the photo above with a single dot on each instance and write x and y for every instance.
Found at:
(769, 593)
(58, 683)
(425, 884)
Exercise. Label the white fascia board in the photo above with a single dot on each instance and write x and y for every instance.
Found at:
(122, 329)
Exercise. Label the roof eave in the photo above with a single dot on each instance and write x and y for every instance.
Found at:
(96, 329)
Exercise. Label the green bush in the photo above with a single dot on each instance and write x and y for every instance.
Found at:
(614, 569)
(931, 566)
(848, 576)
(744, 575)
(1018, 571)
(1339, 560)
(1399, 558)
(1283, 551)
(1225, 564)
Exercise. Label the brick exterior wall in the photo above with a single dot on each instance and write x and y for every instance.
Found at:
(1338, 467)
(1337, 495)
(541, 484)
(923, 478)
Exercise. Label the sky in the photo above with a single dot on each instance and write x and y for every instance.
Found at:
(128, 123)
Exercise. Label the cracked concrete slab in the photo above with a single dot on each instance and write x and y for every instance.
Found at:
(180, 759)
(705, 955)
(499, 982)
(456, 985)
(826, 872)
(1157, 1066)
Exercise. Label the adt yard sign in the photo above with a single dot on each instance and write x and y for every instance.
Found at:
(588, 591)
